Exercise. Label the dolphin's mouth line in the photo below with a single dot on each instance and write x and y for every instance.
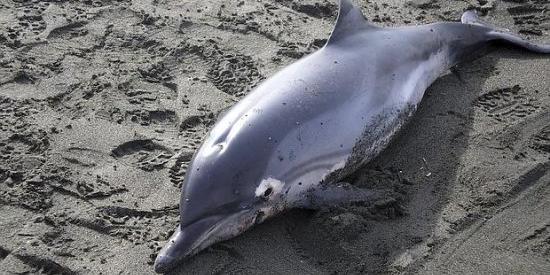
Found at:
(194, 237)
(205, 238)
(183, 244)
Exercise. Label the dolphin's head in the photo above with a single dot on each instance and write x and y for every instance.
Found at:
(225, 192)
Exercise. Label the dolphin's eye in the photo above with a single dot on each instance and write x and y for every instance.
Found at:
(267, 188)
(268, 192)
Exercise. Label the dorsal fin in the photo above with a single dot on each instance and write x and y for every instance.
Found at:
(350, 20)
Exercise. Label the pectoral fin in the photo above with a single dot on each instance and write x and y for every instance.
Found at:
(338, 194)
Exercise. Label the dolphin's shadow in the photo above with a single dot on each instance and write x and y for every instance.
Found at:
(372, 239)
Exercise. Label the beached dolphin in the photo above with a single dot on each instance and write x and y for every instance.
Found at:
(289, 142)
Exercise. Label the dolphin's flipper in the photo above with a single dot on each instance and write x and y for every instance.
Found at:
(503, 35)
(331, 195)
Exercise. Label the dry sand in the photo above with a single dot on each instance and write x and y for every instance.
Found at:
(102, 104)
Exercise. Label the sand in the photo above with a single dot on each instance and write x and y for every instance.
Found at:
(102, 104)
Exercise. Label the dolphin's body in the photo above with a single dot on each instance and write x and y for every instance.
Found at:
(289, 141)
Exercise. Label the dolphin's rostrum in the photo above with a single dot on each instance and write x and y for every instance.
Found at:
(289, 142)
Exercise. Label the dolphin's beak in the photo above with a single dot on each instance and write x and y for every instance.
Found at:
(192, 238)
(182, 242)
(170, 255)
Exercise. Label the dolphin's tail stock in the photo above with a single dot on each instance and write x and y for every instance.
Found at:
(502, 35)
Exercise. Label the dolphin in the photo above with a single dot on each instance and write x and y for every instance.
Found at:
(289, 142)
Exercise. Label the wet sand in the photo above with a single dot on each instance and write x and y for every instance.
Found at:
(102, 104)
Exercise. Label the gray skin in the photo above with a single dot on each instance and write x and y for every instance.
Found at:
(289, 142)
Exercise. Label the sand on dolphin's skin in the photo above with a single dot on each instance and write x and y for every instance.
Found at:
(102, 104)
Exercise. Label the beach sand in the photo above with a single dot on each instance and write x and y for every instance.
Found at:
(103, 102)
